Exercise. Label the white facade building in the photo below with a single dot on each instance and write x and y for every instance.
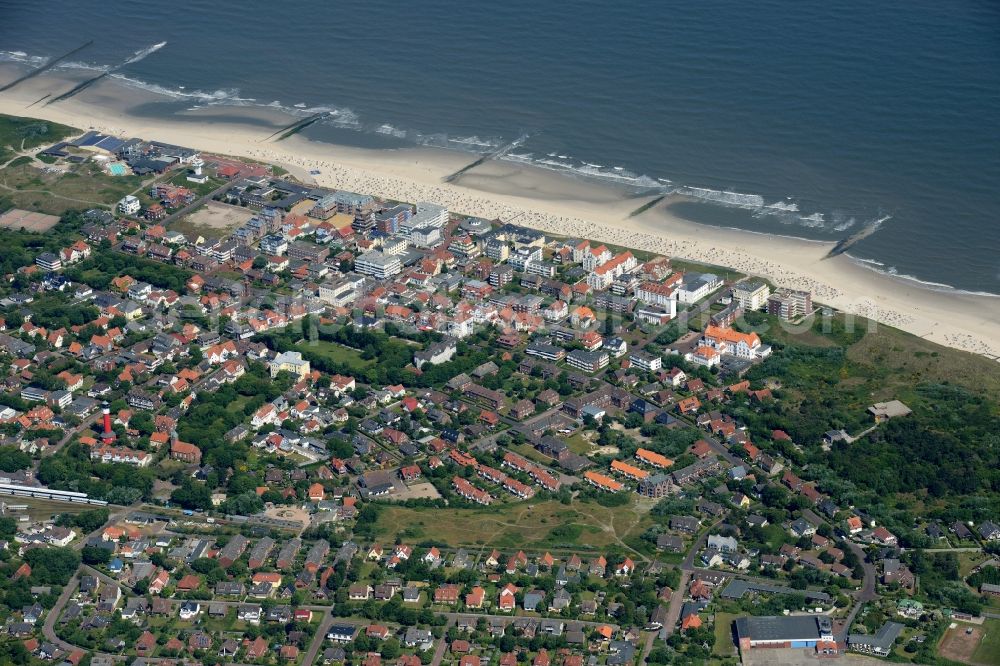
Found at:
(378, 264)
(751, 294)
(697, 287)
(129, 205)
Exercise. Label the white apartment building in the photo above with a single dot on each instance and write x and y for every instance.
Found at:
(657, 293)
(378, 264)
(427, 215)
(647, 362)
(697, 287)
(751, 294)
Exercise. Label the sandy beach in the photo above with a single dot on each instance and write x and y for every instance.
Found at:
(532, 197)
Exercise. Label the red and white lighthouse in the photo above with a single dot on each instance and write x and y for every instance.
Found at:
(108, 435)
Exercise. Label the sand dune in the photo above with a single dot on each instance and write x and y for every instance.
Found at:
(544, 200)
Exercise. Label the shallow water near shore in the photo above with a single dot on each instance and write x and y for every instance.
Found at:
(811, 119)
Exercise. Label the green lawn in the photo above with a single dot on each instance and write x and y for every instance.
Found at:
(238, 404)
(579, 444)
(42, 509)
(695, 267)
(969, 561)
(535, 526)
(201, 189)
(81, 186)
(335, 352)
(988, 651)
(531, 453)
(17, 134)
(724, 646)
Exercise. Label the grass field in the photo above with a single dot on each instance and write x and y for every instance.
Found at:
(969, 561)
(42, 509)
(972, 644)
(336, 353)
(694, 267)
(724, 646)
(894, 361)
(531, 453)
(579, 444)
(201, 189)
(908, 359)
(988, 651)
(20, 134)
(79, 187)
(536, 526)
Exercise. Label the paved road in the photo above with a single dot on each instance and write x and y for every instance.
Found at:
(510, 618)
(867, 592)
(676, 603)
(48, 627)
(677, 598)
(442, 644)
(324, 626)
(84, 426)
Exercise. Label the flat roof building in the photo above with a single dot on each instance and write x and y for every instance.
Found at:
(587, 361)
(773, 631)
(378, 265)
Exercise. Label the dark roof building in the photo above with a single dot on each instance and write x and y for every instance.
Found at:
(803, 631)
(879, 643)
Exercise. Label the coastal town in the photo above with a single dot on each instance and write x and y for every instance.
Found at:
(249, 419)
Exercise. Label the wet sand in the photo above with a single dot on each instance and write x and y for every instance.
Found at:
(532, 197)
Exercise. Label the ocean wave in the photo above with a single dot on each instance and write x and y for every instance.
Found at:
(554, 163)
(724, 197)
(230, 95)
(469, 144)
(22, 57)
(892, 271)
(37, 60)
(617, 175)
(142, 53)
(785, 212)
(389, 130)
(814, 221)
(475, 141)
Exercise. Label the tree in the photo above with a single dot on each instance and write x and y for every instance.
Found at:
(246, 504)
(13, 459)
(8, 526)
(52, 566)
(88, 521)
(205, 565)
(193, 495)
(95, 555)
(390, 648)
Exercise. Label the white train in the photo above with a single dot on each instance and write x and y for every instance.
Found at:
(16, 490)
